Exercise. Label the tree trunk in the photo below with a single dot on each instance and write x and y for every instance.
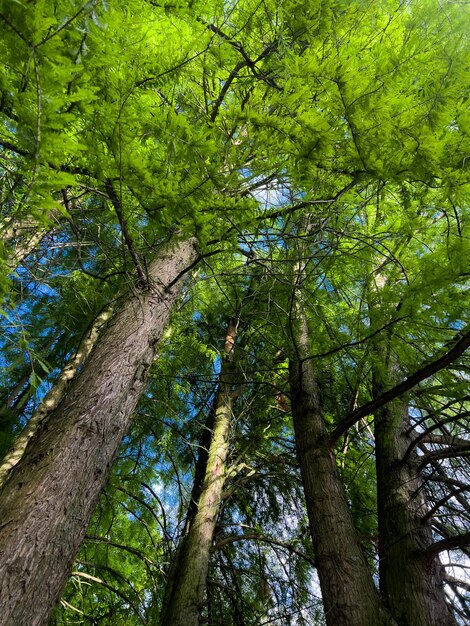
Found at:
(22, 237)
(411, 582)
(185, 596)
(47, 501)
(54, 395)
(348, 591)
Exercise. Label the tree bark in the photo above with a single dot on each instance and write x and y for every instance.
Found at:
(22, 237)
(411, 581)
(47, 501)
(348, 591)
(185, 596)
(54, 395)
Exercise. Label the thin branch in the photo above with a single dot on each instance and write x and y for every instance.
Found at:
(353, 344)
(447, 453)
(456, 581)
(121, 546)
(257, 537)
(87, 5)
(15, 30)
(307, 203)
(116, 202)
(10, 146)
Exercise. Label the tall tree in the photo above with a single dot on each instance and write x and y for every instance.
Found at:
(128, 125)
(82, 434)
(187, 577)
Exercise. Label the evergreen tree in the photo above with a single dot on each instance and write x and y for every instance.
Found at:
(154, 160)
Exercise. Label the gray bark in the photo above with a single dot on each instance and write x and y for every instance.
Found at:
(48, 499)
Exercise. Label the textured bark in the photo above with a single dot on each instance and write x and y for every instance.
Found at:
(22, 237)
(54, 395)
(47, 501)
(185, 596)
(25, 246)
(411, 581)
(348, 591)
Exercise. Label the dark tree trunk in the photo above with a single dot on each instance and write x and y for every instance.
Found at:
(47, 501)
(187, 581)
(411, 582)
(348, 591)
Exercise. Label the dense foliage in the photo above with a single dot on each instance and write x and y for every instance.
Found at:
(320, 153)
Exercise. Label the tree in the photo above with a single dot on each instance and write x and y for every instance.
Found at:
(187, 577)
(324, 144)
(82, 434)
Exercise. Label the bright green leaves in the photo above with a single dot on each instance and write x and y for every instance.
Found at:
(40, 89)
(373, 95)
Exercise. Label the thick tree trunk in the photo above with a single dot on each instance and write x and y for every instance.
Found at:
(348, 591)
(411, 582)
(54, 396)
(184, 599)
(47, 501)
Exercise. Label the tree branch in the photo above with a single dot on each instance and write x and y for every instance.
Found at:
(450, 452)
(116, 202)
(257, 537)
(461, 344)
(449, 543)
(10, 146)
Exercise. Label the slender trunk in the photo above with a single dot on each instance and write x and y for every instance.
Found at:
(188, 576)
(24, 247)
(47, 501)
(348, 591)
(54, 396)
(411, 582)
(198, 483)
(22, 238)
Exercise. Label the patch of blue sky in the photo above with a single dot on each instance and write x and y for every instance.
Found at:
(326, 284)
(457, 324)
(34, 284)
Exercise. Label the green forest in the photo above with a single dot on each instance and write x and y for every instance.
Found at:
(234, 313)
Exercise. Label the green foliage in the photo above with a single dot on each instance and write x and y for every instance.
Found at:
(318, 149)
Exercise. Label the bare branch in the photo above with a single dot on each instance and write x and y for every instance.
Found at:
(462, 343)
(116, 202)
(449, 543)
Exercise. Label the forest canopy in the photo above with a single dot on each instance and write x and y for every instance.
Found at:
(234, 313)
